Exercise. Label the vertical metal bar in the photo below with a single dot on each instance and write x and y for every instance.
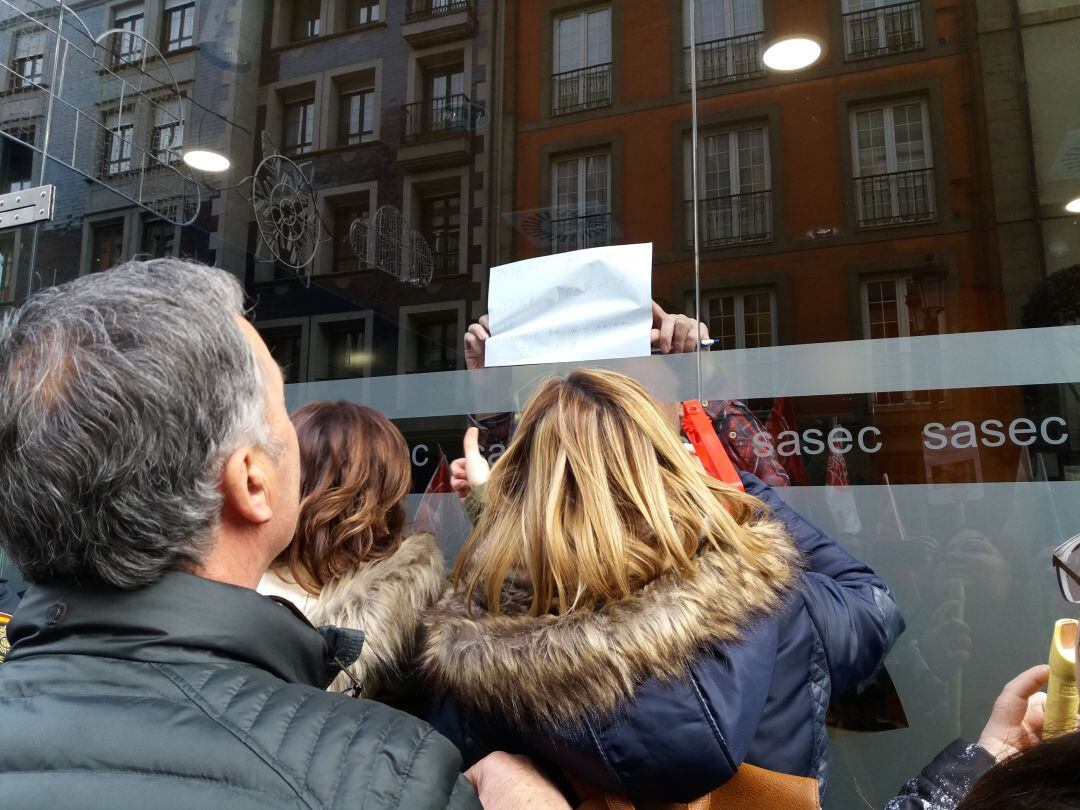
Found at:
(57, 88)
(694, 188)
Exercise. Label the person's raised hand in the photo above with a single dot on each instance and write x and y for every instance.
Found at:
(675, 334)
(472, 471)
(507, 782)
(475, 340)
(1016, 721)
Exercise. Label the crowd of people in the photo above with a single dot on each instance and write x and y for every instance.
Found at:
(229, 608)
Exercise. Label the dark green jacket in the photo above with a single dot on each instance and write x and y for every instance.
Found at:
(194, 694)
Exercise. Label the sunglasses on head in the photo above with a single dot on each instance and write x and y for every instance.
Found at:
(1067, 565)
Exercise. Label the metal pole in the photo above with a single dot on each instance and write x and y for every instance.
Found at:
(694, 189)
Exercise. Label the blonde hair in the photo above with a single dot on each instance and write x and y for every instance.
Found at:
(595, 497)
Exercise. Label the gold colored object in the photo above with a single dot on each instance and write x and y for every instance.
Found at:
(1062, 702)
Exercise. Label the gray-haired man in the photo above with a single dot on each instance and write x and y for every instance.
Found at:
(148, 475)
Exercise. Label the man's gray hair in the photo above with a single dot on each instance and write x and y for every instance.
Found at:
(121, 395)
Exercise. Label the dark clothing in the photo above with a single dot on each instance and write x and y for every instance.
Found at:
(194, 694)
(758, 694)
(945, 782)
(9, 600)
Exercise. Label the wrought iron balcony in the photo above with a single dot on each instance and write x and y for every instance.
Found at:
(731, 220)
(579, 232)
(726, 60)
(887, 29)
(896, 198)
(449, 115)
(581, 89)
(426, 9)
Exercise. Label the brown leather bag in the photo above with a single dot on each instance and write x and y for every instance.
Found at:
(751, 788)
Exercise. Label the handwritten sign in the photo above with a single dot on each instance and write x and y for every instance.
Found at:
(591, 304)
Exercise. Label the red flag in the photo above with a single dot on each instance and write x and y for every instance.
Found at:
(782, 418)
(839, 497)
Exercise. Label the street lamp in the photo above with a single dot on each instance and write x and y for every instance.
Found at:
(926, 298)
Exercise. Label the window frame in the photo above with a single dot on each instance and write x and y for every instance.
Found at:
(122, 132)
(581, 158)
(20, 80)
(136, 15)
(368, 104)
(291, 150)
(186, 9)
(318, 29)
(739, 305)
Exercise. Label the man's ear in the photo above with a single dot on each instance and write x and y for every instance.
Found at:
(245, 483)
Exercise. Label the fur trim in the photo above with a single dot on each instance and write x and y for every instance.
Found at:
(385, 600)
(556, 671)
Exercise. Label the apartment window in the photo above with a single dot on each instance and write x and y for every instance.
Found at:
(346, 350)
(168, 134)
(440, 223)
(7, 267)
(285, 347)
(16, 160)
(729, 34)
(357, 116)
(178, 28)
(28, 62)
(894, 174)
(445, 88)
(107, 245)
(581, 73)
(299, 133)
(361, 12)
(158, 238)
(876, 27)
(885, 316)
(734, 188)
(116, 157)
(741, 320)
(129, 46)
(306, 19)
(436, 342)
(345, 213)
(581, 190)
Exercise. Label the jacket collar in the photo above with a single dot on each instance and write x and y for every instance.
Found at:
(181, 619)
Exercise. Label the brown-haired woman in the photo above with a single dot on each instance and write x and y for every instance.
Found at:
(641, 626)
(351, 562)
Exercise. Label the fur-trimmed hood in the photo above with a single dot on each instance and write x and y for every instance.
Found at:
(555, 671)
(385, 599)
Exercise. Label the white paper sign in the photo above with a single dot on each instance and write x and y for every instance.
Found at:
(592, 304)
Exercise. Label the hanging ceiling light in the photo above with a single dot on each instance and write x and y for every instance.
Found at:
(206, 161)
(792, 53)
(1073, 206)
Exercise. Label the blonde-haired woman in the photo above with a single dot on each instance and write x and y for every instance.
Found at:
(633, 622)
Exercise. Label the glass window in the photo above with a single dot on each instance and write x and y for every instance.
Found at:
(436, 342)
(298, 137)
(729, 36)
(118, 140)
(306, 19)
(741, 320)
(581, 192)
(129, 46)
(16, 160)
(894, 170)
(107, 245)
(178, 27)
(168, 135)
(7, 267)
(581, 73)
(734, 187)
(440, 223)
(345, 213)
(158, 238)
(346, 350)
(361, 12)
(28, 61)
(286, 345)
(876, 27)
(357, 116)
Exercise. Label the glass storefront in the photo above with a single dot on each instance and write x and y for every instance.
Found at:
(888, 242)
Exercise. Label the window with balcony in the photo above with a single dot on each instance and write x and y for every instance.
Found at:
(877, 27)
(306, 20)
(885, 315)
(741, 320)
(357, 116)
(345, 213)
(423, 9)
(116, 149)
(445, 108)
(168, 132)
(107, 245)
(361, 12)
(440, 224)
(285, 345)
(298, 135)
(734, 188)
(347, 354)
(129, 45)
(729, 36)
(28, 61)
(437, 338)
(158, 238)
(178, 27)
(7, 267)
(893, 165)
(581, 72)
(581, 193)
(16, 160)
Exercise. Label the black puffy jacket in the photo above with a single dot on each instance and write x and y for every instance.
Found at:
(194, 694)
(945, 782)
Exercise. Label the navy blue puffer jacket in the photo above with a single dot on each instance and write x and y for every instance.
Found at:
(662, 695)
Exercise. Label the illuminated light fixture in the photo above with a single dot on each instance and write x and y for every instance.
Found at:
(206, 161)
(791, 53)
(1073, 206)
